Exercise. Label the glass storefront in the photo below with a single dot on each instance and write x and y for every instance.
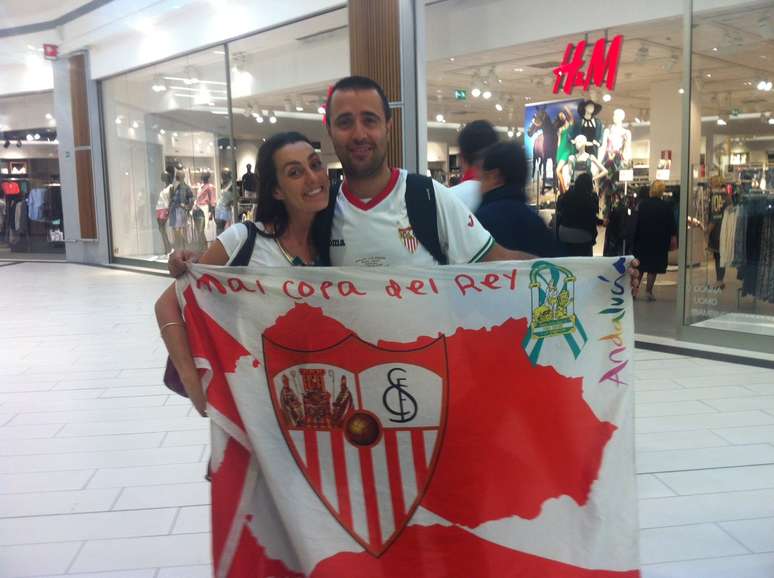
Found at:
(30, 195)
(181, 155)
(632, 134)
(180, 135)
(730, 250)
(169, 155)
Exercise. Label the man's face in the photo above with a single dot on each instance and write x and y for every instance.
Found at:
(359, 130)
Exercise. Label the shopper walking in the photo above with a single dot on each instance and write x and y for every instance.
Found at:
(653, 235)
(504, 211)
(577, 218)
(473, 140)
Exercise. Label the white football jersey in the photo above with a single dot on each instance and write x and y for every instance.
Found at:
(377, 233)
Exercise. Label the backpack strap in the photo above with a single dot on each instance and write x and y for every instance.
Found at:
(323, 225)
(242, 258)
(423, 215)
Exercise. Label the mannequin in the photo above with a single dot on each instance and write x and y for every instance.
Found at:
(564, 124)
(584, 162)
(249, 183)
(616, 142)
(181, 201)
(589, 125)
(162, 212)
(225, 206)
(204, 211)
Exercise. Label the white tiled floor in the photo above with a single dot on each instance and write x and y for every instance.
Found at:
(101, 471)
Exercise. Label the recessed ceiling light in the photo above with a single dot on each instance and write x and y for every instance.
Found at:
(321, 110)
(518, 70)
(681, 91)
(607, 98)
(708, 75)
(451, 59)
(299, 109)
(487, 94)
(499, 107)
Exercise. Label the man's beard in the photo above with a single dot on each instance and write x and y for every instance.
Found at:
(355, 171)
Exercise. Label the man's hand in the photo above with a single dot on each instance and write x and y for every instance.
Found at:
(177, 264)
(634, 277)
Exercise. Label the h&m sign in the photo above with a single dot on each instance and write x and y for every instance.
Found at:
(602, 67)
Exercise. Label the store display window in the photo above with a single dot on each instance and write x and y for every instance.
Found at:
(730, 250)
(169, 156)
(31, 219)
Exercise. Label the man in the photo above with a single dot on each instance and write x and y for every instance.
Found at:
(476, 137)
(504, 210)
(370, 221)
(370, 225)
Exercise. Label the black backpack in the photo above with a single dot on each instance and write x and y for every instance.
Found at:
(422, 214)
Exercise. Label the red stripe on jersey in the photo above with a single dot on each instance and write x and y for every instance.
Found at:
(420, 459)
(342, 483)
(371, 203)
(371, 499)
(312, 459)
(393, 471)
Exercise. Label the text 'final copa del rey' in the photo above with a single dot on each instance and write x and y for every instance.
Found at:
(297, 290)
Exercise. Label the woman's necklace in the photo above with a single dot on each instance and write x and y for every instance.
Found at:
(290, 258)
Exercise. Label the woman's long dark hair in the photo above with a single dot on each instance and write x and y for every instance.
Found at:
(271, 211)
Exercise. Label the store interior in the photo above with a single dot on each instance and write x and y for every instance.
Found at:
(31, 224)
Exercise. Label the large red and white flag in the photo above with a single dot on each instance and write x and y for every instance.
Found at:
(458, 422)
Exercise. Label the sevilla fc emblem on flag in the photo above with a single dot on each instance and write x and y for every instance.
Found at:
(364, 425)
(408, 238)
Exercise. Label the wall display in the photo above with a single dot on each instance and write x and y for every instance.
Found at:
(547, 136)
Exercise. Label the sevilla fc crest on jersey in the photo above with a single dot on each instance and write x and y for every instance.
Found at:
(408, 238)
(364, 425)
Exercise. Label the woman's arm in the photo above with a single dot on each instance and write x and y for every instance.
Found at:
(172, 327)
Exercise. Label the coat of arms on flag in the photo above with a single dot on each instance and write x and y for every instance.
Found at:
(409, 240)
(552, 295)
(364, 425)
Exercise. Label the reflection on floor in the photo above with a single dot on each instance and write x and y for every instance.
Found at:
(101, 468)
(744, 322)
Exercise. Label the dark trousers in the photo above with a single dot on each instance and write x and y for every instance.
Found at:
(720, 272)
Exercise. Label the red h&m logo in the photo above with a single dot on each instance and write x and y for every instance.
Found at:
(602, 69)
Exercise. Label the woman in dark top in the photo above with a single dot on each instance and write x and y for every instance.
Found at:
(653, 235)
(503, 210)
(576, 218)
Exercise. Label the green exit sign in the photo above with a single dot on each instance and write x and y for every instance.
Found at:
(736, 112)
(460, 94)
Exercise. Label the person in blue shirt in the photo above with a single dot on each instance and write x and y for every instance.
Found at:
(504, 211)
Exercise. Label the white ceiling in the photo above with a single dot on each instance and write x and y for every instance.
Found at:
(15, 13)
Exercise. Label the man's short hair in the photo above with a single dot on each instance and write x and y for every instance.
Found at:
(509, 159)
(474, 138)
(357, 83)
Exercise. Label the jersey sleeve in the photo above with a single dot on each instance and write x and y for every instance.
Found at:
(462, 237)
(232, 239)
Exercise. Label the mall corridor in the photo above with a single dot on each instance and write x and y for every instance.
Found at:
(101, 469)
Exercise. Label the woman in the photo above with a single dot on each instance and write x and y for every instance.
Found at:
(293, 188)
(653, 235)
(504, 211)
(577, 218)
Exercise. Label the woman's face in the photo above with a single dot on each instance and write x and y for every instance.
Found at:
(302, 181)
